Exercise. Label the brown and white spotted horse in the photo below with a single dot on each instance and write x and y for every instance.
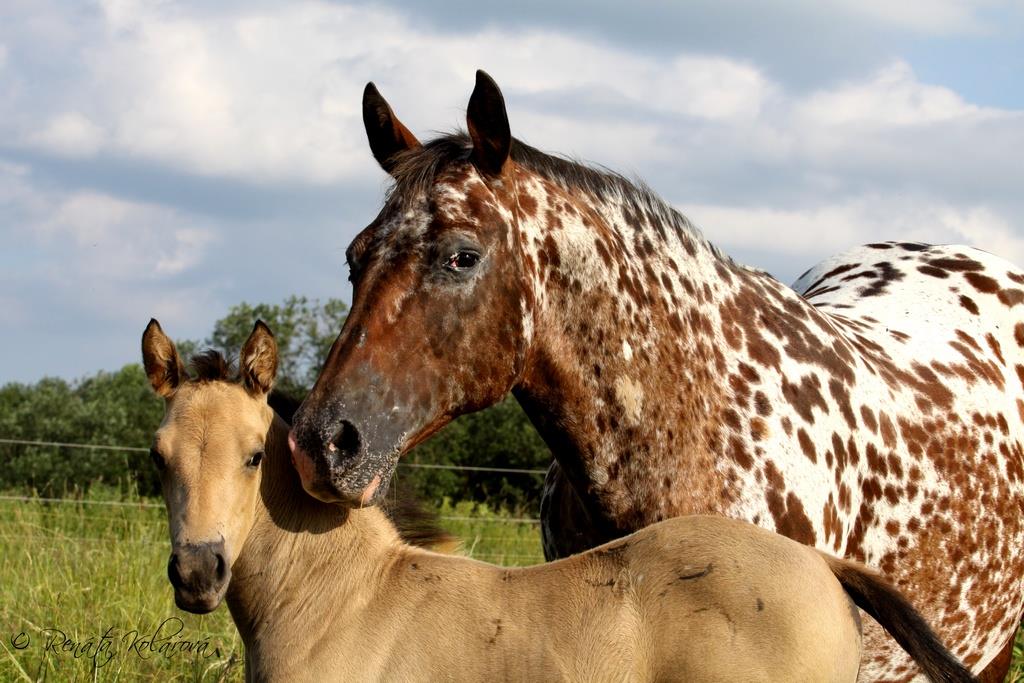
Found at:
(875, 412)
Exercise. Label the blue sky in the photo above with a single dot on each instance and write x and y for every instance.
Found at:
(172, 159)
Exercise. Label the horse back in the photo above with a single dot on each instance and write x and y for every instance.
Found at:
(925, 438)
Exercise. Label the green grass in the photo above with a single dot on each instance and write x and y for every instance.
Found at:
(1016, 674)
(100, 563)
(82, 568)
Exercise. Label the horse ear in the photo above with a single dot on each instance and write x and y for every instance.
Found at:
(258, 363)
(160, 358)
(385, 132)
(488, 125)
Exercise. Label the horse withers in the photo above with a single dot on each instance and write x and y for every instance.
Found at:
(877, 412)
(323, 592)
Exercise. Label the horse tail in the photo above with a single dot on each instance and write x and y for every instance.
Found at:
(893, 611)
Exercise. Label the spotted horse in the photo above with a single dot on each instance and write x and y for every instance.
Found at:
(875, 410)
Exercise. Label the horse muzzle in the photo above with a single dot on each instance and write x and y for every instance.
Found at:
(346, 451)
(200, 575)
(342, 472)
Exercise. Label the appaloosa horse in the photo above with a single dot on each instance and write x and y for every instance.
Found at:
(875, 412)
(321, 592)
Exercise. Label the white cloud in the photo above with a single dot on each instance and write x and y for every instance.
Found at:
(70, 134)
(122, 240)
(712, 88)
(269, 94)
(893, 97)
(188, 245)
(817, 231)
(55, 282)
(272, 93)
(108, 256)
(15, 186)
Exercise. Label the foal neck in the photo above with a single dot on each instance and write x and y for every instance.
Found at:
(299, 546)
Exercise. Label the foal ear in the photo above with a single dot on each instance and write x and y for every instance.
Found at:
(160, 358)
(488, 125)
(258, 364)
(386, 133)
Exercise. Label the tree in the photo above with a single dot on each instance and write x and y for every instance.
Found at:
(500, 437)
(108, 408)
(304, 331)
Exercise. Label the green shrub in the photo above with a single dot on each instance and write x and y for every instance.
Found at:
(107, 408)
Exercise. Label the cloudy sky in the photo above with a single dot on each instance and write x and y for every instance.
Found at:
(172, 159)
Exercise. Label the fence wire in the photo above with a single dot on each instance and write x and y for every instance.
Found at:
(143, 504)
(138, 449)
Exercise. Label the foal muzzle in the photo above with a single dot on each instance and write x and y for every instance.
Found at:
(200, 575)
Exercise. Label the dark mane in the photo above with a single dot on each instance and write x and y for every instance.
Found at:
(416, 524)
(416, 170)
(283, 404)
(211, 366)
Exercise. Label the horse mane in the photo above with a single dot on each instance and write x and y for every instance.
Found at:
(283, 404)
(211, 366)
(416, 524)
(416, 169)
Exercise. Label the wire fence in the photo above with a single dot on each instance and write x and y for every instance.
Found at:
(84, 526)
(483, 538)
(143, 504)
(138, 449)
(159, 506)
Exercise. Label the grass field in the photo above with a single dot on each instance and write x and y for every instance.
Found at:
(71, 573)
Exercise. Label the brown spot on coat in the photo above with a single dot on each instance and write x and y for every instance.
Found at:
(982, 283)
(806, 445)
(968, 303)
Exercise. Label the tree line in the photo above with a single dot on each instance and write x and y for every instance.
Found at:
(118, 408)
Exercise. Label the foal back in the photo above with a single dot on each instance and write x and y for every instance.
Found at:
(726, 601)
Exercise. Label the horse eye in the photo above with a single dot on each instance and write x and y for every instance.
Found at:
(254, 461)
(462, 260)
(157, 459)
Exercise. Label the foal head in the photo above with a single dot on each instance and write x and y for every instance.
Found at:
(208, 450)
(442, 307)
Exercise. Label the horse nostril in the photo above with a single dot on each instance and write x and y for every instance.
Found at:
(346, 441)
(221, 567)
(172, 571)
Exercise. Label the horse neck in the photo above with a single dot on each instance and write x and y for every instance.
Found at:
(624, 333)
(303, 556)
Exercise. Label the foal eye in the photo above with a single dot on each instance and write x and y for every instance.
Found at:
(157, 459)
(254, 461)
(462, 260)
